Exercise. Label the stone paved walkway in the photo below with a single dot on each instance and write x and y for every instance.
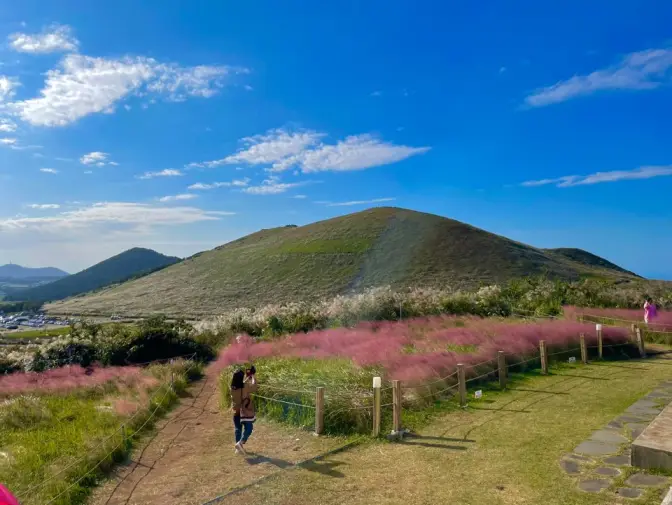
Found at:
(602, 463)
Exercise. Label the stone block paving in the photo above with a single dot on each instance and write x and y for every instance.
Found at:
(602, 463)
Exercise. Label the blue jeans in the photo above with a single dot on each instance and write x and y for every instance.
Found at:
(243, 429)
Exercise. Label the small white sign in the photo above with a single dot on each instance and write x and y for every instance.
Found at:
(377, 382)
(572, 359)
(478, 394)
(598, 327)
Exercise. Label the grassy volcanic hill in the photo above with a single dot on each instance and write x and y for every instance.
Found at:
(132, 263)
(381, 246)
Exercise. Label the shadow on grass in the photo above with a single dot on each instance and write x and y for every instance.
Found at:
(434, 446)
(415, 436)
(323, 468)
(538, 391)
(516, 411)
(580, 376)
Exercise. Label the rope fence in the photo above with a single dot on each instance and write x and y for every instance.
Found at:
(455, 382)
(169, 387)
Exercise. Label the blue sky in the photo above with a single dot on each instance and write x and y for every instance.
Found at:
(180, 126)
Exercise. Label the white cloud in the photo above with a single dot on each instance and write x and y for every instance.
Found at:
(240, 183)
(114, 214)
(84, 85)
(55, 38)
(272, 186)
(7, 126)
(359, 202)
(271, 147)
(376, 93)
(637, 71)
(7, 87)
(284, 150)
(356, 153)
(168, 172)
(42, 206)
(300, 197)
(183, 196)
(49, 170)
(97, 158)
(14, 143)
(600, 177)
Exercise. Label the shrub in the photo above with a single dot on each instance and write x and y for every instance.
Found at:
(116, 345)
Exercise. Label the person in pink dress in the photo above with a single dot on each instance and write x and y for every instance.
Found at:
(650, 311)
(7, 498)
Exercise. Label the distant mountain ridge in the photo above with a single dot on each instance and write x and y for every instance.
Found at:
(14, 271)
(376, 247)
(126, 265)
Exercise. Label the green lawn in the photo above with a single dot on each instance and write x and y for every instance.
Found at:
(503, 449)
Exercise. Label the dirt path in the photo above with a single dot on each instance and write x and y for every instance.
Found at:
(189, 459)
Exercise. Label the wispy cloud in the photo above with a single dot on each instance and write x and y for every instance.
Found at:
(168, 172)
(239, 183)
(300, 197)
(271, 147)
(8, 141)
(98, 159)
(567, 181)
(55, 38)
(115, 214)
(7, 126)
(173, 198)
(8, 87)
(642, 70)
(49, 170)
(357, 202)
(44, 206)
(273, 186)
(356, 152)
(84, 85)
(376, 93)
(284, 150)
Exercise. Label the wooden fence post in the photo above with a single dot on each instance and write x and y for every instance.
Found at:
(633, 332)
(544, 357)
(584, 351)
(501, 366)
(462, 385)
(396, 406)
(376, 406)
(598, 328)
(640, 343)
(319, 410)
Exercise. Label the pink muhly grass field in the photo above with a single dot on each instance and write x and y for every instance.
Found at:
(423, 349)
(68, 378)
(662, 321)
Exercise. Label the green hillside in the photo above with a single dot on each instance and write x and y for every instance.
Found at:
(381, 246)
(132, 263)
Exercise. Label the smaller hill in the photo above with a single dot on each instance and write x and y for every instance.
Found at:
(17, 272)
(587, 259)
(128, 265)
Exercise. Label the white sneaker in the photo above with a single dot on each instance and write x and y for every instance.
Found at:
(240, 449)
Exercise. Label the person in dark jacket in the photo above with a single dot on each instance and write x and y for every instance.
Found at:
(243, 384)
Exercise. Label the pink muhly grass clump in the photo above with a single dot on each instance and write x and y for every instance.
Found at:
(662, 321)
(422, 349)
(69, 378)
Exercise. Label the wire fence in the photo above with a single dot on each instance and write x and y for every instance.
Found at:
(166, 389)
